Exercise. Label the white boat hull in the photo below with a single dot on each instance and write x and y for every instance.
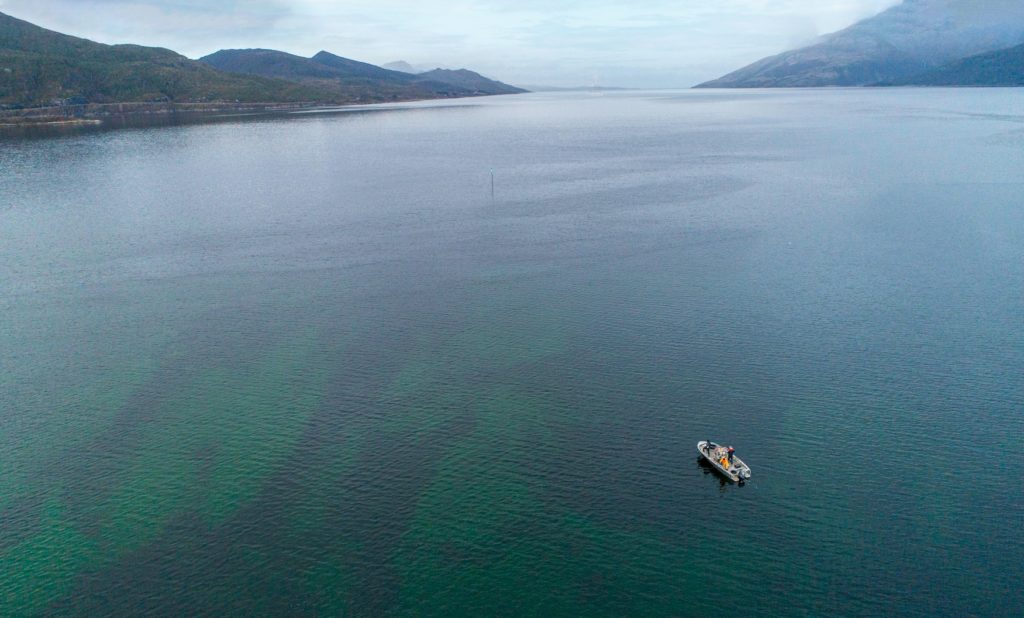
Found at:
(716, 454)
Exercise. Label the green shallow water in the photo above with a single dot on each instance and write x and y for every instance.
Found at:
(308, 366)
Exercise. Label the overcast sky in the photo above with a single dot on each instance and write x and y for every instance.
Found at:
(638, 43)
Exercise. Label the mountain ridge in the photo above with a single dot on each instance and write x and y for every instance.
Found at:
(470, 80)
(326, 69)
(40, 67)
(45, 68)
(356, 80)
(907, 39)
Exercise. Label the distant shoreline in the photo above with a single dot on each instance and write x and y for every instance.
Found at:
(99, 113)
(120, 115)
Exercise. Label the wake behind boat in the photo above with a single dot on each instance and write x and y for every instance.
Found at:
(718, 456)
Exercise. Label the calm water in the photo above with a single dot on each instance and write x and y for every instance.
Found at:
(310, 366)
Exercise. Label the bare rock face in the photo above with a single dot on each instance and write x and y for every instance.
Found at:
(908, 39)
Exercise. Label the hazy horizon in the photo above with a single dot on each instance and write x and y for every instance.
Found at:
(649, 44)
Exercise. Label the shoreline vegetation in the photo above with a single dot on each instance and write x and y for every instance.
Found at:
(97, 113)
(100, 114)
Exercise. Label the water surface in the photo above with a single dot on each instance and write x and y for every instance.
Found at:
(309, 365)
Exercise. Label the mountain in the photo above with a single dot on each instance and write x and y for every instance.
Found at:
(418, 83)
(464, 78)
(908, 39)
(401, 66)
(415, 69)
(346, 79)
(1004, 67)
(268, 63)
(354, 78)
(41, 67)
(354, 68)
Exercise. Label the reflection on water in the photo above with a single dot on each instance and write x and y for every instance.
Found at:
(708, 469)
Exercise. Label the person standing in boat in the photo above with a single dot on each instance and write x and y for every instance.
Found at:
(732, 452)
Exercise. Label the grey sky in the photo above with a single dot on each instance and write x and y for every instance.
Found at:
(642, 43)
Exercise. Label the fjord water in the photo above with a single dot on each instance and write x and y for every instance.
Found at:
(309, 365)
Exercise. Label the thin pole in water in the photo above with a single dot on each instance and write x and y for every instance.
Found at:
(492, 184)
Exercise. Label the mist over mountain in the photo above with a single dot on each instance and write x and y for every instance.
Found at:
(908, 39)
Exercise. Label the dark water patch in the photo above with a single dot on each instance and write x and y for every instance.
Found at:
(95, 463)
(358, 506)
